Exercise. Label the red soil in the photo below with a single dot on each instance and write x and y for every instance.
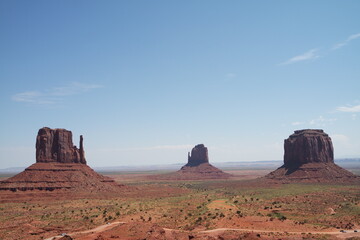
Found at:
(59, 176)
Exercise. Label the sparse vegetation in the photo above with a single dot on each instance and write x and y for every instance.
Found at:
(198, 204)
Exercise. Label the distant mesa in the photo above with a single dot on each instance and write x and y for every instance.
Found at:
(197, 168)
(59, 166)
(309, 157)
(199, 155)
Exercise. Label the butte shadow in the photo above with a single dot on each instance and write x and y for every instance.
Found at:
(197, 168)
(309, 157)
(59, 166)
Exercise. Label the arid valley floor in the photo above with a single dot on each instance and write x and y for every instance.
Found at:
(242, 207)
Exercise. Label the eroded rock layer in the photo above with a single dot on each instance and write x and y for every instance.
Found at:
(59, 166)
(55, 176)
(55, 145)
(199, 155)
(313, 172)
(308, 146)
(309, 157)
(198, 167)
(201, 171)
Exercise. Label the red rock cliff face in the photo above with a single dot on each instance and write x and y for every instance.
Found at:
(55, 145)
(308, 146)
(199, 155)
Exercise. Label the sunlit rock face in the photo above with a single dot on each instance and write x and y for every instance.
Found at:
(59, 166)
(55, 145)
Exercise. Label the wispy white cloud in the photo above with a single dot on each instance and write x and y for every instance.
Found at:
(297, 123)
(73, 88)
(320, 121)
(31, 97)
(352, 109)
(53, 95)
(313, 53)
(346, 42)
(309, 55)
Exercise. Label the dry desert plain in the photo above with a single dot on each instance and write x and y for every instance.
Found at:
(242, 207)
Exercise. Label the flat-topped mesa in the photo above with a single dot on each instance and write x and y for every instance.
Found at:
(309, 157)
(308, 146)
(55, 145)
(199, 155)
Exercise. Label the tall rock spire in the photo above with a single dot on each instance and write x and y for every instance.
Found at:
(81, 150)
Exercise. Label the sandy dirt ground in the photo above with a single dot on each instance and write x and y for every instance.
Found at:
(238, 208)
(93, 233)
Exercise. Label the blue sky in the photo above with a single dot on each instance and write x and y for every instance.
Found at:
(144, 81)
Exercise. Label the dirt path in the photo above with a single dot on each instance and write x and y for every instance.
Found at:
(105, 227)
(98, 229)
(336, 233)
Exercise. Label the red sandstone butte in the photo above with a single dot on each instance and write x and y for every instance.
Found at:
(309, 157)
(59, 166)
(198, 167)
(199, 155)
(55, 145)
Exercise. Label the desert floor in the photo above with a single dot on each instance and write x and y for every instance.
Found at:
(238, 208)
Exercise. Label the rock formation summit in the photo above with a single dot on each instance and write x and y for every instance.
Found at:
(309, 157)
(198, 167)
(55, 145)
(199, 155)
(59, 166)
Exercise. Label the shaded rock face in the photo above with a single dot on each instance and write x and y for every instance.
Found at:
(55, 145)
(308, 146)
(199, 155)
(309, 157)
(197, 168)
(59, 166)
